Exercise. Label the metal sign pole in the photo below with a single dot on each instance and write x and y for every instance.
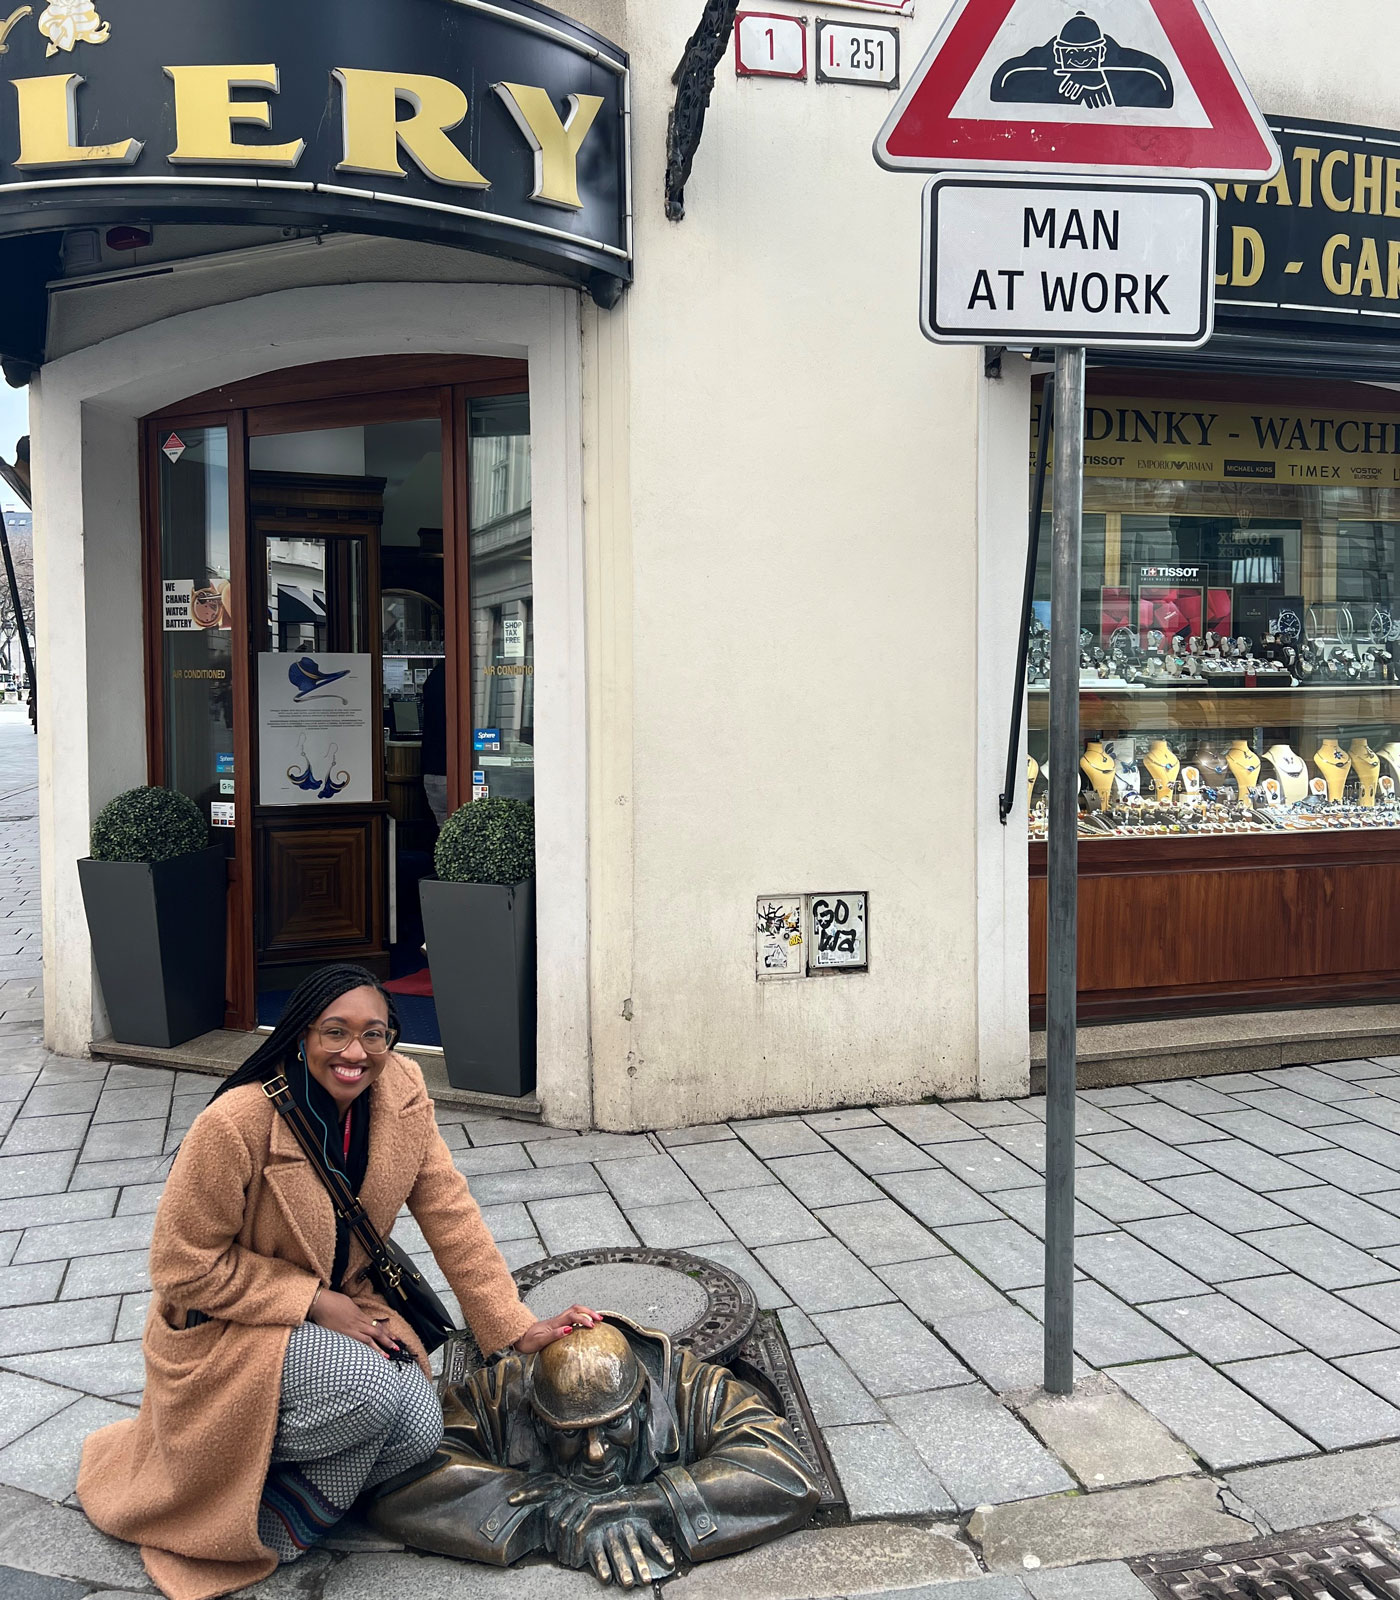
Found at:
(1062, 976)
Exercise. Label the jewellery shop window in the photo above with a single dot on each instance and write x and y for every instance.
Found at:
(1239, 622)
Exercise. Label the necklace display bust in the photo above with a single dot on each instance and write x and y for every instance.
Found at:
(1291, 771)
(1212, 764)
(1390, 755)
(1099, 767)
(1162, 766)
(1366, 764)
(1334, 764)
(1124, 753)
(1244, 767)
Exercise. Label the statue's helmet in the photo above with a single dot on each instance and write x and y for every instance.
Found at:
(588, 1378)
(1079, 35)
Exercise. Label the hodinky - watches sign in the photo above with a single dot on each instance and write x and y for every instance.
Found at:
(496, 125)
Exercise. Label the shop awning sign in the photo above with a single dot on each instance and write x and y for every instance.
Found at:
(1135, 87)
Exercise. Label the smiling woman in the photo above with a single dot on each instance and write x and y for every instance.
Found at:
(279, 1382)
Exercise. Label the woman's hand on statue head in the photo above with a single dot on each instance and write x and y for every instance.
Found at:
(340, 1314)
(552, 1328)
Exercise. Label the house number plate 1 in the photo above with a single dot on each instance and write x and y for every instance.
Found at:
(853, 52)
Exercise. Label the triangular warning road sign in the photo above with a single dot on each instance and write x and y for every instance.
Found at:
(1136, 87)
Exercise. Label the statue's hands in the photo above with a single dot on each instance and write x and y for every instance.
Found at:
(615, 1551)
(601, 1531)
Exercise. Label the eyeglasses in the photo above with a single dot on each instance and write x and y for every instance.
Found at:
(335, 1037)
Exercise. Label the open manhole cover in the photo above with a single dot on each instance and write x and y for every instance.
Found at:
(1344, 1562)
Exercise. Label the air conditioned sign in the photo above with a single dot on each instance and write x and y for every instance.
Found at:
(501, 126)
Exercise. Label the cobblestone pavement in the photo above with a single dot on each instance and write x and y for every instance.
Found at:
(1238, 1321)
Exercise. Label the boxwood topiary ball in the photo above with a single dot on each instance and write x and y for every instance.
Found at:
(148, 825)
(488, 841)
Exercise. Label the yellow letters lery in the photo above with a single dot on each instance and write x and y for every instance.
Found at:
(206, 114)
(374, 134)
(48, 126)
(556, 143)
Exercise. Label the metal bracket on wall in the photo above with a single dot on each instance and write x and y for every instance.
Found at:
(991, 360)
(694, 79)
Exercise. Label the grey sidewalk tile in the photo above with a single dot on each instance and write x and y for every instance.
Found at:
(24, 1286)
(1105, 1580)
(1218, 1329)
(985, 1166)
(132, 1105)
(1233, 1083)
(1027, 1206)
(1190, 1095)
(1132, 1270)
(975, 1448)
(1106, 1332)
(121, 1174)
(1381, 1111)
(45, 1460)
(938, 1198)
(1141, 1154)
(1366, 1139)
(1268, 1133)
(1348, 1216)
(1325, 1324)
(1326, 1260)
(85, 1206)
(825, 1180)
(1330, 1408)
(1121, 1095)
(59, 1325)
(890, 1350)
(16, 1085)
(127, 1075)
(1298, 1109)
(1379, 1300)
(580, 1222)
(843, 1117)
(516, 1253)
(1026, 1141)
(880, 1232)
(927, 1124)
(994, 1586)
(131, 1319)
(1120, 1197)
(730, 1253)
(1091, 1118)
(46, 1100)
(1169, 1124)
(1298, 1494)
(679, 1225)
(1379, 1371)
(138, 1199)
(780, 1136)
(1104, 1437)
(988, 1113)
(8, 1111)
(651, 1180)
(880, 1150)
(120, 1141)
(1211, 1415)
(823, 1275)
(123, 1272)
(766, 1214)
(723, 1164)
(1350, 1071)
(880, 1472)
(835, 1394)
(799, 1327)
(25, 1403)
(1227, 1204)
(1208, 1251)
(44, 1174)
(505, 1222)
(937, 1289)
(8, 1244)
(1005, 1348)
(474, 1161)
(537, 1183)
(38, 1135)
(1252, 1167)
(64, 1240)
(1001, 1251)
(105, 1369)
(508, 1130)
(1318, 1083)
(589, 1147)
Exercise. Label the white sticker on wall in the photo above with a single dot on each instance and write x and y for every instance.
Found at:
(838, 929)
(513, 638)
(779, 946)
(221, 813)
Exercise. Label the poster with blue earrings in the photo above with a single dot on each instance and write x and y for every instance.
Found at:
(315, 728)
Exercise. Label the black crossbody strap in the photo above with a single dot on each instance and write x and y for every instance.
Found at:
(343, 1198)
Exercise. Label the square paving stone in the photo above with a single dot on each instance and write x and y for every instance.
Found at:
(589, 1147)
(783, 1136)
(26, 1402)
(8, 1242)
(975, 1448)
(724, 1164)
(132, 1105)
(1132, 1270)
(1220, 1422)
(507, 1130)
(131, 1319)
(1210, 1252)
(1104, 1580)
(1379, 1300)
(844, 1117)
(16, 1085)
(1330, 1408)
(23, 1286)
(835, 1394)
(1227, 1204)
(767, 1214)
(516, 1253)
(937, 1289)
(42, 1174)
(880, 1472)
(50, 1100)
(1366, 1139)
(1001, 1251)
(1027, 1206)
(1121, 1095)
(122, 1272)
(64, 1240)
(988, 1113)
(730, 1253)
(880, 1150)
(1141, 1154)
(1379, 1371)
(1268, 1133)
(1005, 1348)
(1348, 1216)
(880, 1232)
(828, 1180)
(1217, 1329)
(1379, 1111)
(37, 1135)
(1190, 1094)
(553, 1183)
(1119, 1197)
(505, 1222)
(580, 1222)
(890, 1350)
(986, 1166)
(45, 1460)
(130, 1170)
(823, 1275)
(1106, 1332)
(1318, 1083)
(1297, 1494)
(105, 1369)
(1322, 1322)
(1320, 1256)
(1105, 1437)
(652, 1180)
(1250, 1166)
(1169, 1124)
(120, 1141)
(74, 1206)
(680, 1226)
(139, 1199)
(1298, 1109)
(798, 1327)
(491, 1158)
(927, 1124)
(123, 1075)
(938, 1198)
(1026, 1141)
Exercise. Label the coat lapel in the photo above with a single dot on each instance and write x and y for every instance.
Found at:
(395, 1144)
(301, 1196)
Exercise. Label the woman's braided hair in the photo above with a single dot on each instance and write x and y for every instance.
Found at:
(305, 1003)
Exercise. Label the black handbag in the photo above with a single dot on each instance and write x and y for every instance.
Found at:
(390, 1269)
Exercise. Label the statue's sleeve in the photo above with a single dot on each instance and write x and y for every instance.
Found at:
(461, 1506)
(745, 1480)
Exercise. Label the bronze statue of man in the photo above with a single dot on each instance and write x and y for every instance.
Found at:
(609, 1449)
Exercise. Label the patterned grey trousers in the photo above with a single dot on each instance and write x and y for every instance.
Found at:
(348, 1419)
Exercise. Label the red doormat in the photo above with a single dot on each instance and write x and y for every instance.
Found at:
(420, 982)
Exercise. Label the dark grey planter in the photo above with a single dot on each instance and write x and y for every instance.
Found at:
(158, 931)
(481, 948)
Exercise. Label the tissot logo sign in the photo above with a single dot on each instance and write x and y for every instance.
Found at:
(500, 126)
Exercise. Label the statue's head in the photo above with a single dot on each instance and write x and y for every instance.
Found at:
(587, 1393)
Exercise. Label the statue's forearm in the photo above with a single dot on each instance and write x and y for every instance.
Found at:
(463, 1510)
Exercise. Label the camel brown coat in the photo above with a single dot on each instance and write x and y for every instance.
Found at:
(246, 1233)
